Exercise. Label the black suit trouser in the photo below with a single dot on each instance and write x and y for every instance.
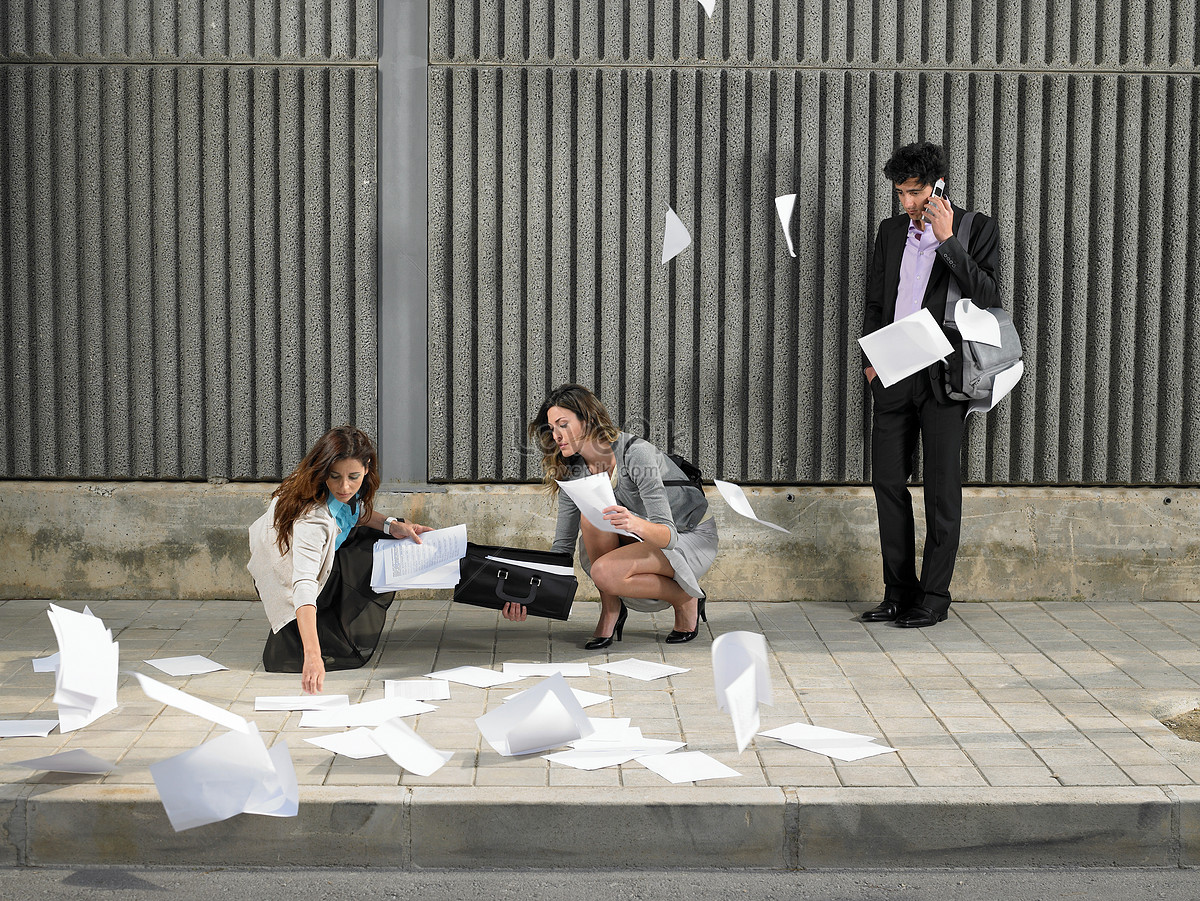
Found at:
(901, 413)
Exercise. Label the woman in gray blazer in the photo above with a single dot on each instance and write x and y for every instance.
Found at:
(655, 502)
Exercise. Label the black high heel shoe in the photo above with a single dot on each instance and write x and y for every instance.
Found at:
(677, 637)
(601, 642)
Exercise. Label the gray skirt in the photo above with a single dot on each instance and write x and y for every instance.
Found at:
(691, 558)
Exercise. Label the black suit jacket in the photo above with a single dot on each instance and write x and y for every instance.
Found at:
(974, 268)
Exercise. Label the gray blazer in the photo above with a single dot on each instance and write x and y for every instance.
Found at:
(641, 470)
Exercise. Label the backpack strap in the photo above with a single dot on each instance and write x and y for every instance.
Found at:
(667, 483)
(953, 291)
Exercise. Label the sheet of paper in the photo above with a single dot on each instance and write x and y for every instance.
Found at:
(845, 746)
(357, 743)
(569, 670)
(417, 689)
(443, 577)
(644, 670)
(675, 239)
(230, 774)
(180, 700)
(585, 698)
(736, 498)
(688, 766)
(85, 682)
(397, 562)
(408, 750)
(76, 761)
(904, 347)
(277, 794)
(26, 728)
(370, 713)
(1002, 384)
(591, 759)
(976, 323)
(544, 717)
(592, 495)
(192, 665)
(540, 567)
(46, 664)
(784, 206)
(301, 702)
(612, 729)
(635, 747)
(709, 6)
(474, 675)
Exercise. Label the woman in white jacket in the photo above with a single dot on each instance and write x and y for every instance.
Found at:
(310, 556)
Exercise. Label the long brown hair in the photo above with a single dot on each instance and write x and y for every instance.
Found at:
(598, 426)
(306, 486)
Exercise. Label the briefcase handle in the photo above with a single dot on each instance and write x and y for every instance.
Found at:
(502, 577)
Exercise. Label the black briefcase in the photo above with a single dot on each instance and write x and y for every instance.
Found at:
(516, 579)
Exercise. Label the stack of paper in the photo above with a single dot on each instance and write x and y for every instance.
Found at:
(830, 742)
(742, 680)
(231, 774)
(401, 563)
(544, 717)
(85, 683)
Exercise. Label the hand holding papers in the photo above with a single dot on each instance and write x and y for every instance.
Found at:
(736, 498)
(906, 346)
(544, 717)
(400, 563)
(85, 683)
(593, 495)
(742, 680)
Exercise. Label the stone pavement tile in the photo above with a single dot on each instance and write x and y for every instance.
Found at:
(1092, 724)
(1002, 738)
(974, 725)
(928, 758)
(1066, 738)
(987, 758)
(363, 777)
(857, 725)
(944, 776)
(864, 773)
(824, 777)
(1018, 776)
(920, 741)
(1068, 758)
(1092, 775)
(1165, 774)
(605, 777)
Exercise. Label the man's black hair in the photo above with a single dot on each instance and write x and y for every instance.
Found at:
(923, 161)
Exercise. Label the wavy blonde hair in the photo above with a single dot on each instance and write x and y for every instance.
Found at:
(597, 423)
(306, 487)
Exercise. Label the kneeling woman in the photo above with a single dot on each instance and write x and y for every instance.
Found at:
(654, 501)
(310, 556)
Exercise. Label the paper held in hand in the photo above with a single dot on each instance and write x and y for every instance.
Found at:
(592, 495)
(906, 346)
(400, 563)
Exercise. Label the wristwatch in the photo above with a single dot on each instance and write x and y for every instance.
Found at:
(387, 524)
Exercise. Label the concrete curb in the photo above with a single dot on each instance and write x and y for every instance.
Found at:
(685, 827)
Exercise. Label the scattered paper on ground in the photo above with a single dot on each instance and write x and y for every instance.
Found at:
(301, 702)
(408, 750)
(544, 717)
(75, 761)
(474, 675)
(687, 766)
(356, 743)
(180, 700)
(370, 713)
(193, 665)
(644, 670)
(26, 728)
(569, 670)
(845, 746)
(417, 689)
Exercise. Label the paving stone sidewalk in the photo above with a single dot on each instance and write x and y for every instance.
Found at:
(1010, 694)
(1022, 696)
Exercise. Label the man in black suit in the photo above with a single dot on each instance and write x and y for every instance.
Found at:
(916, 254)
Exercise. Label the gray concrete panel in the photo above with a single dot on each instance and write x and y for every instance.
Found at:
(189, 31)
(745, 359)
(190, 261)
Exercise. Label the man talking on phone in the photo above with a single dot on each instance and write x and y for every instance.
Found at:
(916, 255)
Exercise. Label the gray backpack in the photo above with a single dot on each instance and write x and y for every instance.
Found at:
(972, 368)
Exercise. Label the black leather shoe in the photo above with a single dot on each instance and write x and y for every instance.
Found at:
(920, 617)
(600, 642)
(886, 612)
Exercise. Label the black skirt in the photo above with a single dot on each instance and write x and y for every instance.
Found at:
(350, 615)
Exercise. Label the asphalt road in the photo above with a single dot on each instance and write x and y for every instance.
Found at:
(157, 884)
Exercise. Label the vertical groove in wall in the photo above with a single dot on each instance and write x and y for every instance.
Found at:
(745, 358)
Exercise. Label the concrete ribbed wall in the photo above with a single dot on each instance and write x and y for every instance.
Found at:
(560, 132)
(188, 256)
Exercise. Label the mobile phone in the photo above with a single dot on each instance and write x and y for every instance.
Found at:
(939, 188)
